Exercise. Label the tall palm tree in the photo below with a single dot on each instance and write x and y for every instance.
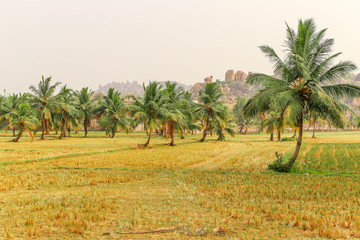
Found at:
(86, 104)
(25, 119)
(151, 108)
(43, 97)
(114, 113)
(307, 81)
(210, 107)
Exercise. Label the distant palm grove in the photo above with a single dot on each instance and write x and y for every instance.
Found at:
(303, 92)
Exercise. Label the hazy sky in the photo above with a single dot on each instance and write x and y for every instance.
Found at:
(88, 42)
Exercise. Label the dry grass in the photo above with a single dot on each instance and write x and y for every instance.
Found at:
(99, 188)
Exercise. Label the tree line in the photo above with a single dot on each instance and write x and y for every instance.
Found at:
(161, 110)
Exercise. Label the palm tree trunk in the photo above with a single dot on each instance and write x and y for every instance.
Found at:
(172, 131)
(205, 130)
(279, 136)
(272, 137)
(42, 127)
(47, 127)
(292, 160)
(241, 128)
(14, 132)
(294, 134)
(314, 124)
(148, 141)
(86, 121)
(30, 134)
(62, 129)
(20, 134)
(113, 132)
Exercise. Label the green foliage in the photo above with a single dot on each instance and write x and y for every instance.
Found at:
(114, 113)
(278, 164)
(305, 81)
(288, 139)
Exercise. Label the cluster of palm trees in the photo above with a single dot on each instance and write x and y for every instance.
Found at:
(161, 110)
(304, 86)
(304, 89)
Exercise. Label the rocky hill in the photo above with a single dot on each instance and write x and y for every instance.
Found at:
(233, 85)
(133, 87)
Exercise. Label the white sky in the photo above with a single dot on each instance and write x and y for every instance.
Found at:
(92, 42)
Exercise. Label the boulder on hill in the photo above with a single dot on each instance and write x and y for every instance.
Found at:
(208, 79)
(230, 75)
(240, 76)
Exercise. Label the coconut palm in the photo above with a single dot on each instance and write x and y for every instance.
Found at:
(176, 119)
(43, 98)
(86, 104)
(188, 107)
(66, 114)
(11, 104)
(210, 107)
(114, 113)
(25, 119)
(275, 121)
(306, 82)
(151, 108)
(223, 124)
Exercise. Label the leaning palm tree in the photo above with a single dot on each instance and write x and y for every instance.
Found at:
(86, 104)
(210, 106)
(151, 108)
(306, 82)
(43, 98)
(25, 119)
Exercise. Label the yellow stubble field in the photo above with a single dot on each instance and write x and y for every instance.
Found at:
(102, 188)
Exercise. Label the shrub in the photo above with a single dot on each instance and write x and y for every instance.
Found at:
(278, 164)
(285, 139)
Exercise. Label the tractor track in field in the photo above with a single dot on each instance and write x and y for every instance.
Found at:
(306, 151)
(334, 156)
(348, 155)
(319, 153)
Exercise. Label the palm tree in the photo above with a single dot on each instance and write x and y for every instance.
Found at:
(43, 97)
(10, 105)
(190, 121)
(25, 119)
(151, 108)
(176, 117)
(210, 107)
(114, 113)
(275, 121)
(307, 81)
(85, 103)
(223, 123)
(66, 113)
